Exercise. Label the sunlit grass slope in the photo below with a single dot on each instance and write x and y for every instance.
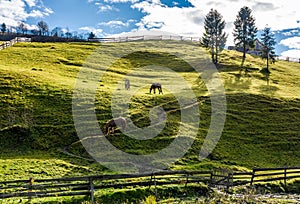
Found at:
(37, 81)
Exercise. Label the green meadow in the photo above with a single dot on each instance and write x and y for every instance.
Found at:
(36, 123)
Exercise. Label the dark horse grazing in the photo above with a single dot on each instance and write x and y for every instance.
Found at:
(114, 123)
(156, 86)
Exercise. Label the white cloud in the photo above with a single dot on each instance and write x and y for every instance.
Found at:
(113, 23)
(117, 24)
(14, 11)
(105, 7)
(111, 1)
(30, 3)
(98, 32)
(35, 14)
(292, 54)
(291, 32)
(175, 20)
(292, 43)
(277, 14)
(120, 1)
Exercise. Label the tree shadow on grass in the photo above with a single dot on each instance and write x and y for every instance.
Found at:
(268, 90)
(227, 67)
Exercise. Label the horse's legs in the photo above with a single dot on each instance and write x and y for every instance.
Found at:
(160, 90)
(107, 130)
(112, 130)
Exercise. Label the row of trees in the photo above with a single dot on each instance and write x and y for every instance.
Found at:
(43, 30)
(244, 34)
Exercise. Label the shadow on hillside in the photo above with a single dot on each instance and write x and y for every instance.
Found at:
(227, 68)
(268, 90)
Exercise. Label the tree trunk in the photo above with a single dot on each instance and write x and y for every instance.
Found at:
(244, 55)
(267, 63)
(217, 60)
(213, 54)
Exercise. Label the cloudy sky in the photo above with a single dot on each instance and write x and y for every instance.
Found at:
(182, 17)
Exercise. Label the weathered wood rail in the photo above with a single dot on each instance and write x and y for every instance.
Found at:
(258, 175)
(145, 37)
(88, 185)
(7, 44)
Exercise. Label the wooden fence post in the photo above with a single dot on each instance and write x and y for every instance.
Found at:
(150, 180)
(211, 178)
(285, 176)
(229, 177)
(155, 189)
(92, 190)
(187, 179)
(252, 178)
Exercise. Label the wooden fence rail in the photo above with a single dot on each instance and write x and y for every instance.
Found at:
(145, 37)
(88, 185)
(260, 175)
(7, 44)
(227, 179)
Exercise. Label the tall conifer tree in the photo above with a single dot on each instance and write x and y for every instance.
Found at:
(245, 31)
(214, 36)
(268, 41)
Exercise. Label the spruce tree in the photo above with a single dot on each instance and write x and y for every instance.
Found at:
(3, 28)
(245, 31)
(214, 36)
(268, 41)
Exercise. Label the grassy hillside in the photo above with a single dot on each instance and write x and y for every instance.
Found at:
(37, 81)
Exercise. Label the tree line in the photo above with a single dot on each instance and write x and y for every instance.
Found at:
(42, 29)
(245, 34)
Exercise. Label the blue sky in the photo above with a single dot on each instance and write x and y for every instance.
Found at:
(182, 17)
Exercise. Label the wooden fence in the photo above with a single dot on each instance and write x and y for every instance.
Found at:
(87, 185)
(145, 37)
(258, 175)
(288, 59)
(7, 44)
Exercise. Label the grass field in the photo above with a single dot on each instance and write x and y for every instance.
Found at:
(37, 82)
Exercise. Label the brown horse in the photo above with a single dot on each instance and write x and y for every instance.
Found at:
(113, 124)
(155, 86)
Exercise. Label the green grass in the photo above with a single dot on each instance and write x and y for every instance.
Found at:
(37, 81)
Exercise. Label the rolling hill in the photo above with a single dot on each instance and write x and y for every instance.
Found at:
(37, 85)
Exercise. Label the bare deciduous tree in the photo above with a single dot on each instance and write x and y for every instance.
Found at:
(43, 27)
